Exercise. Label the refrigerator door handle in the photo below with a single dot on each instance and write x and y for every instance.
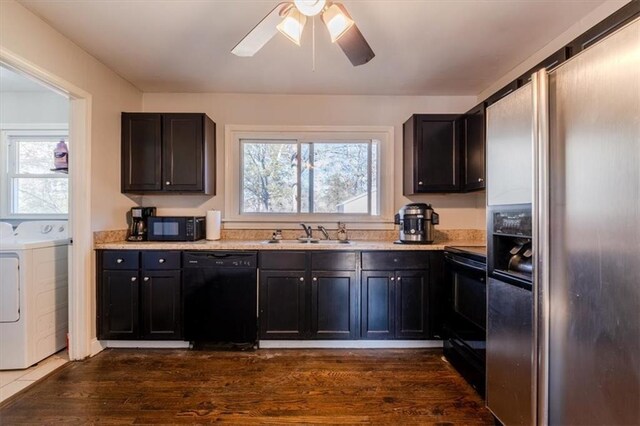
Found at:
(541, 248)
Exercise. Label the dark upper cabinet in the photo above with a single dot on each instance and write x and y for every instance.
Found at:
(282, 304)
(168, 153)
(474, 143)
(161, 305)
(431, 152)
(141, 152)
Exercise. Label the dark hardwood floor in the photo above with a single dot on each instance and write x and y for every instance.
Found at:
(266, 386)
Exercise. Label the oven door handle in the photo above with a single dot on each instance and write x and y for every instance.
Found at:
(464, 264)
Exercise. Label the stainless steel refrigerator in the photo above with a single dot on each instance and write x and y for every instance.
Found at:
(568, 351)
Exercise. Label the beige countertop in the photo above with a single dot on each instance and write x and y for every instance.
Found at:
(355, 245)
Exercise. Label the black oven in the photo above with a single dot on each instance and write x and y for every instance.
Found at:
(465, 323)
(175, 228)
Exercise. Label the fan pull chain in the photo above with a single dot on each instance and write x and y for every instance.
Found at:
(313, 44)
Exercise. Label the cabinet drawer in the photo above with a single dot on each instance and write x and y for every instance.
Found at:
(160, 260)
(120, 259)
(341, 261)
(393, 260)
(283, 260)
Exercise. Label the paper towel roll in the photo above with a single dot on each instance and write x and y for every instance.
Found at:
(214, 220)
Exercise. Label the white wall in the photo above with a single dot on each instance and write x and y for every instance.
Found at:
(591, 19)
(26, 35)
(33, 108)
(456, 210)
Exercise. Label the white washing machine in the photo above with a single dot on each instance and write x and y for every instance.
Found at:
(34, 315)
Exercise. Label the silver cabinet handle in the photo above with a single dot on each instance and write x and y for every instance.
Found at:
(480, 180)
(420, 183)
(133, 279)
(119, 260)
(399, 278)
(167, 183)
(393, 278)
(161, 260)
(301, 278)
(315, 279)
(146, 278)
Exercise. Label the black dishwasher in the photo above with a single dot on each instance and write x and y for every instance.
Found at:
(220, 297)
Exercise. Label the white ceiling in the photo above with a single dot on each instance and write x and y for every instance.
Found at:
(423, 47)
(13, 82)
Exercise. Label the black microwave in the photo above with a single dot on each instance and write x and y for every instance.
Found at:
(175, 228)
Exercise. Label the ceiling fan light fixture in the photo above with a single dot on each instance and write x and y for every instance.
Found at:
(292, 25)
(337, 22)
(310, 7)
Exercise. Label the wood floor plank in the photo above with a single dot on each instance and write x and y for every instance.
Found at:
(262, 387)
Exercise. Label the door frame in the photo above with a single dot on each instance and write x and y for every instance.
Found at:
(80, 259)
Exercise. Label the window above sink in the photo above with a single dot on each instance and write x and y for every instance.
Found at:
(288, 174)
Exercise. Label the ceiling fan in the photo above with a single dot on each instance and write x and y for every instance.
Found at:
(289, 18)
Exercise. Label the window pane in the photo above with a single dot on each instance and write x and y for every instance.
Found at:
(305, 170)
(40, 196)
(35, 156)
(374, 178)
(269, 183)
(340, 181)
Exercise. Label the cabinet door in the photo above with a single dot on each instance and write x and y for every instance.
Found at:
(412, 289)
(118, 302)
(474, 147)
(141, 152)
(183, 148)
(378, 307)
(282, 304)
(161, 307)
(334, 305)
(437, 154)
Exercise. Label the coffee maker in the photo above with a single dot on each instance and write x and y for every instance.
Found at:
(416, 223)
(138, 220)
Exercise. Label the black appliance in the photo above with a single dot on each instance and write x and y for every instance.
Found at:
(138, 220)
(465, 322)
(416, 223)
(176, 228)
(220, 297)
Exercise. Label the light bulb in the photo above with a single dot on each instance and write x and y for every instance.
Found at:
(310, 7)
(337, 22)
(292, 25)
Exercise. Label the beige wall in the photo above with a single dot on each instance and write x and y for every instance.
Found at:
(26, 35)
(456, 210)
(597, 15)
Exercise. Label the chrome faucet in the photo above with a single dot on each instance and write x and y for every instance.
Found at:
(324, 232)
(307, 230)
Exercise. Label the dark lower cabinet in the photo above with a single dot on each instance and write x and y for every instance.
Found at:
(411, 298)
(138, 304)
(334, 306)
(161, 306)
(378, 307)
(282, 304)
(118, 302)
(394, 305)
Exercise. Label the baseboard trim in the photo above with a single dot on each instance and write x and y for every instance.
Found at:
(145, 344)
(349, 344)
(96, 347)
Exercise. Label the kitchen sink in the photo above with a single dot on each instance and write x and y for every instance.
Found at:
(307, 241)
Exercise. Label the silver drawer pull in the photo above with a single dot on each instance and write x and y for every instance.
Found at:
(315, 279)
(167, 183)
(393, 278)
(146, 278)
(301, 278)
(161, 260)
(399, 278)
(119, 260)
(133, 278)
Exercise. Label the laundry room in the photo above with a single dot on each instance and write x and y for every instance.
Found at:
(34, 206)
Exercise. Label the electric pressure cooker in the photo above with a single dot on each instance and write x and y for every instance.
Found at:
(416, 222)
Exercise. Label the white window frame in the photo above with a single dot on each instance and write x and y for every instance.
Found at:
(234, 134)
(8, 166)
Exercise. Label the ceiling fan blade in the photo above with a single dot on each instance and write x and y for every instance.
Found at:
(355, 46)
(352, 42)
(261, 33)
